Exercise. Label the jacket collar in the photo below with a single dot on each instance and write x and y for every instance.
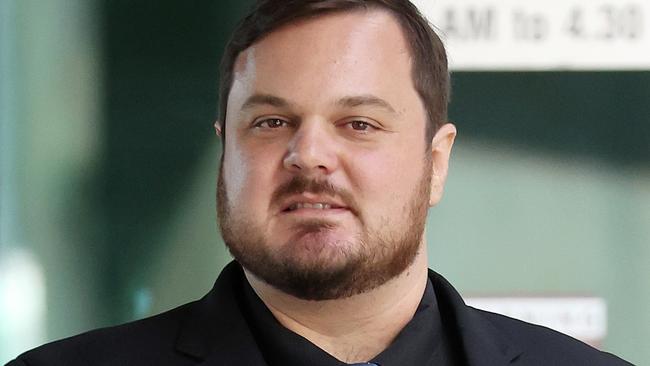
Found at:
(481, 342)
(215, 331)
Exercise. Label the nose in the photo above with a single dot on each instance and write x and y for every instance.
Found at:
(311, 150)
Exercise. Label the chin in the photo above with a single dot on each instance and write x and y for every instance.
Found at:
(319, 249)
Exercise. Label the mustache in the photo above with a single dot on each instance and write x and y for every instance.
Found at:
(300, 184)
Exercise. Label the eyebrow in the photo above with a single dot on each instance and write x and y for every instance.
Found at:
(348, 102)
(365, 100)
(265, 99)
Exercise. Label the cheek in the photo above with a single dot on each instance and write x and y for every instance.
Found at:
(375, 176)
(234, 174)
(386, 180)
(243, 174)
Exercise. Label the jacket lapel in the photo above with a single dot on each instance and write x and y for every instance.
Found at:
(215, 331)
(474, 336)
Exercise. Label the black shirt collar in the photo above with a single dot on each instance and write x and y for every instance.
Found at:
(419, 343)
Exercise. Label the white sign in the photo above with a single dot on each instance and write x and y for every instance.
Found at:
(543, 34)
(584, 318)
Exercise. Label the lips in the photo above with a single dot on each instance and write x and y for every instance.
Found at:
(317, 206)
(302, 202)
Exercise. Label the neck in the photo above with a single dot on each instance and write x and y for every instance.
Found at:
(357, 328)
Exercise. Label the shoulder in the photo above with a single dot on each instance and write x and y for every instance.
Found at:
(136, 343)
(488, 336)
(180, 336)
(544, 346)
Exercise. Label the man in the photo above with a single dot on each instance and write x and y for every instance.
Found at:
(335, 145)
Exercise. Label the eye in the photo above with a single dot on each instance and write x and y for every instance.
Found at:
(270, 123)
(362, 126)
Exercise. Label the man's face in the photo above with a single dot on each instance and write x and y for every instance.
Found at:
(325, 180)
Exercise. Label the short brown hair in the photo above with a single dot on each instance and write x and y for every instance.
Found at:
(429, 67)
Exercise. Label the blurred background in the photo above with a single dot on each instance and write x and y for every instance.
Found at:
(108, 164)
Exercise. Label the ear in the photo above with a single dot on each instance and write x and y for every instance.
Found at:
(441, 145)
(217, 127)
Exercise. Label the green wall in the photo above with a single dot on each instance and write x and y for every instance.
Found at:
(114, 165)
(51, 229)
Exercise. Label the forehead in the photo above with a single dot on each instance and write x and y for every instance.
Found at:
(343, 30)
(345, 53)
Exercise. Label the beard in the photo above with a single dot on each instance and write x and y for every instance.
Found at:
(309, 265)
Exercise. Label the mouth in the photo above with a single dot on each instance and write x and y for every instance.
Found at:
(309, 204)
(315, 206)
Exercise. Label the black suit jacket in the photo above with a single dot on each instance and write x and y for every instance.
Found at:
(213, 331)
